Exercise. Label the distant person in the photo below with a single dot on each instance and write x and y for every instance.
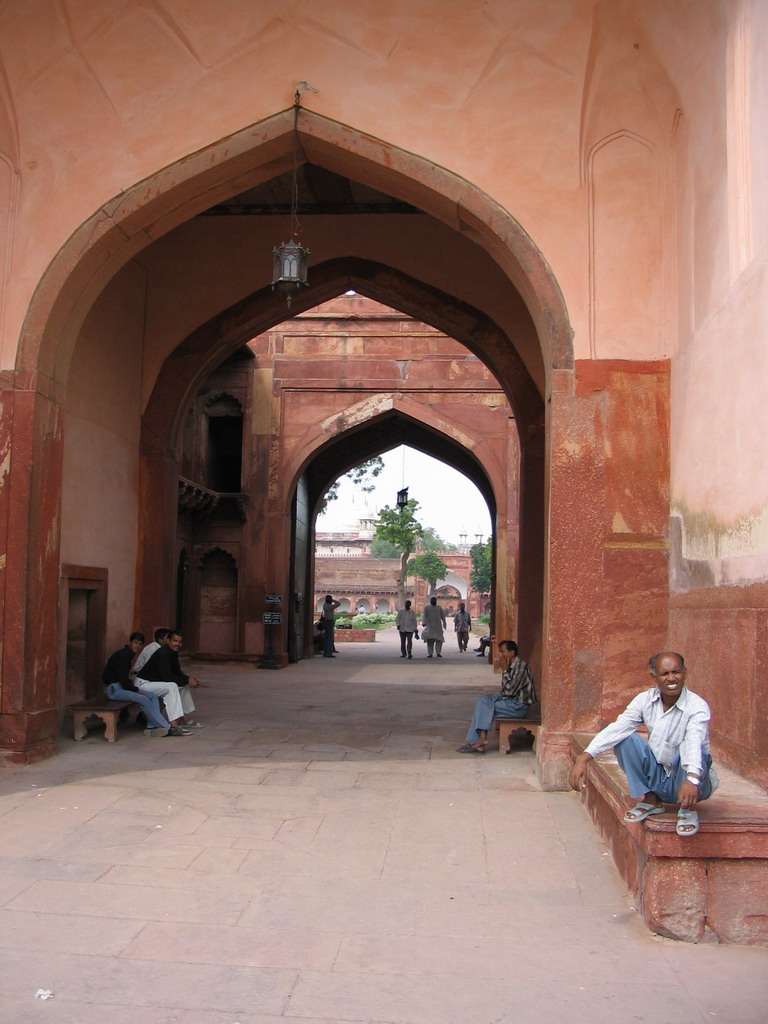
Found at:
(406, 625)
(513, 700)
(433, 619)
(462, 623)
(329, 617)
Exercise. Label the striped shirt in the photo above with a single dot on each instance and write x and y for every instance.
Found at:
(683, 728)
(517, 682)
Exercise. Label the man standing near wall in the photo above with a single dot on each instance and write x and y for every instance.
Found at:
(329, 609)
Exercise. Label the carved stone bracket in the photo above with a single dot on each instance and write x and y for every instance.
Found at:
(202, 502)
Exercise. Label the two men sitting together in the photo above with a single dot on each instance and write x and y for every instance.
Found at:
(156, 674)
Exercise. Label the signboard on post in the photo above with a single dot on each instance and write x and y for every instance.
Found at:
(274, 599)
(272, 618)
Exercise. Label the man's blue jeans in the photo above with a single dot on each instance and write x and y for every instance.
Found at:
(148, 702)
(646, 775)
(490, 706)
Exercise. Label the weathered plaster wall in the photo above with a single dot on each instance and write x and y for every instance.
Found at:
(719, 489)
(99, 495)
(535, 83)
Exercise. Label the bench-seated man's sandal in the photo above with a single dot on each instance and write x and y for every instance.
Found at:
(641, 811)
(469, 749)
(687, 822)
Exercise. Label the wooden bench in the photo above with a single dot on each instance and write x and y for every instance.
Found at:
(98, 707)
(506, 726)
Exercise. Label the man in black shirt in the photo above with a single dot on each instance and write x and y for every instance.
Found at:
(164, 667)
(118, 685)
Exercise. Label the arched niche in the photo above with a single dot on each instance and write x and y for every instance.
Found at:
(218, 605)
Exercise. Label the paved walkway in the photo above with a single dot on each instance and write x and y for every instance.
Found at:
(320, 853)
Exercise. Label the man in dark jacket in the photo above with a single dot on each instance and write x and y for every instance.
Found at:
(118, 685)
(164, 667)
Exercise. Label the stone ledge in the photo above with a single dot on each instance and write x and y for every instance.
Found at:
(714, 883)
(354, 636)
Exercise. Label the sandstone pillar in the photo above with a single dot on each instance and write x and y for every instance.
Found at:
(31, 446)
(606, 574)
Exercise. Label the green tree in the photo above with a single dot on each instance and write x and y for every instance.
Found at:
(381, 548)
(428, 567)
(362, 476)
(480, 576)
(401, 528)
(432, 541)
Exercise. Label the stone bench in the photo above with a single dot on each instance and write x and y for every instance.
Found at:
(108, 711)
(505, 727)
(712, 884)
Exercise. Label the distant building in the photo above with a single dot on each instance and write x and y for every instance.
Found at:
(344, 568)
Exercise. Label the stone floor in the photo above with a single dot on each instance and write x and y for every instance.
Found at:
(320, 853)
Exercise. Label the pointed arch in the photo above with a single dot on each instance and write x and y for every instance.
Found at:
(150, 209)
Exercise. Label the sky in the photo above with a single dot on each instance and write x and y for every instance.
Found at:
(448, 501)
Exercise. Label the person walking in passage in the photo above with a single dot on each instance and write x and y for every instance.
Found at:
(462, 624)
(329, 617)
(674, 766)
(433, 621)
(406, 626)
(517, 694)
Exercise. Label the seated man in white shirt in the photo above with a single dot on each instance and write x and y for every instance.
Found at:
(675, 765)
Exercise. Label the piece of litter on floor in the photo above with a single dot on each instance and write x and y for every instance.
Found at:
(44, 993)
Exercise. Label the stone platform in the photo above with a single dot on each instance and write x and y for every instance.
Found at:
(713, 883)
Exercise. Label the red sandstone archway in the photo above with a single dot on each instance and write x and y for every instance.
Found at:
(404, 423)
(484, 253)
(322, 458)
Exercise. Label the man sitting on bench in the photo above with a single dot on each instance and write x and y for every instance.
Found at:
(674, 766)
(118, 685)
(517, 694)
(163, 671)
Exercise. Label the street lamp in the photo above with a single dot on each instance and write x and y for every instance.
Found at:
(402, 498)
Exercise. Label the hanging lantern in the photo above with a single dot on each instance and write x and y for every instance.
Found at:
(289, 260)
(402, 498)
(289, 268)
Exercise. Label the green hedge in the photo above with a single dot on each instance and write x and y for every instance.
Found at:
(373, 620)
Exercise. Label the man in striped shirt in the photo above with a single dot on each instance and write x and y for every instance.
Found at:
(675, 765)
(517, 693)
